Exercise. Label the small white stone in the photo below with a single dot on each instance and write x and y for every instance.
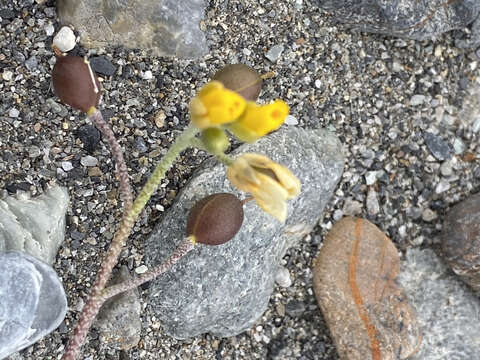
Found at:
(476, 125)
(49, 29)
(141, 269)
(442, 186)
(318, 84)
(429, 215)
(13, 113)
(7, 75)
(282, 277)
(417, 100)
(337, 214)
(89, 161)
(67, 165)
(147, 75)
(371, 177)
(65, 39)
(446, 168)
(373, 207)
(291, 120)
(458, 146)
(246, 52)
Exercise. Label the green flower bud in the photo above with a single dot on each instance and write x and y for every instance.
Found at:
(215, 219)
(215, 140)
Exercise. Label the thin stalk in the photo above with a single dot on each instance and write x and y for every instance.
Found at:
(95, 301)
(184, 248)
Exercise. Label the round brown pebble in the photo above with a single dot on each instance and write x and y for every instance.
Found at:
(240, 78)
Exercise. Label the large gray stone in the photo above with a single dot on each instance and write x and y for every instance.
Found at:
(412, 19)
(34, 225)
(32, 301)
(447, 310)
(225, 289)
(167, 27)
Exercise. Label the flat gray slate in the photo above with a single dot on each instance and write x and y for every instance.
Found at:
(413, 19)
(34, 225)
(447, 310)
(32, 301)
(225, 289)
(167, 27)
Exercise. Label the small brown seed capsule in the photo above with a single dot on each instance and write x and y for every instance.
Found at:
(75, 83)
(242, 79)
(215, 219)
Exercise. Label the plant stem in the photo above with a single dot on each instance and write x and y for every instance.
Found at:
(225, 159)
(131, 214)
(184, 248)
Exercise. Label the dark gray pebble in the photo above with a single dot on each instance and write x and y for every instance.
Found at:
(438, 147)
(102, 66)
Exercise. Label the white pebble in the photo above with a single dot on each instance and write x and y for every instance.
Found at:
(65, 39)
(371, 177)
(49, 29)
(7, 75)
(246, 52)
(67, 165)
(373, 207)
(318, 84)
(417, 100)
(476, 125)
(282, 277)
(89, 161)
(442, 186)
(141, 269)
(13, 113)
(429, 215)
(291, 120)
(147, 75)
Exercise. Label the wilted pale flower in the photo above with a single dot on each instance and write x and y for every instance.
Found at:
(270, 183)
(259, 120)
(215, 105)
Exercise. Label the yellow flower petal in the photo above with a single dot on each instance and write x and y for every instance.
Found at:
(269, 183)
(214, 106)
(257, 121)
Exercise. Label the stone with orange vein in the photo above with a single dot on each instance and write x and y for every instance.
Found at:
(354, 281)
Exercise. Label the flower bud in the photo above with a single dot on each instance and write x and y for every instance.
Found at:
(242, 79)
(215, 219)
(215, 140)
(75, 83)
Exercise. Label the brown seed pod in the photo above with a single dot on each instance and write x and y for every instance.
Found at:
(75, 83)
(215, 219)
(242, 79)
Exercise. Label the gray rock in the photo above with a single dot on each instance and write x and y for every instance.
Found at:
(274, 53)
(32, 301)
(32, 63)
(447, 310)
(35, 226)
(438, 147)
(225, 289)
(413, 19)
(167, 27)
(102, 66)
(118, 321)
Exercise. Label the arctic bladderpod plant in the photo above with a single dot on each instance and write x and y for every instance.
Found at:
(225, 104)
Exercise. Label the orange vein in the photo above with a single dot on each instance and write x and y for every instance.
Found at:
(357, 298)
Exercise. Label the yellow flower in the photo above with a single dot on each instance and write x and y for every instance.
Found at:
(214, 106)
(257, 121)
(270, 183)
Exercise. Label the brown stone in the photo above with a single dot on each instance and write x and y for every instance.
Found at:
(354, 281)
(461, 240)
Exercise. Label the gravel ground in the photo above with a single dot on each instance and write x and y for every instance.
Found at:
(380, 95)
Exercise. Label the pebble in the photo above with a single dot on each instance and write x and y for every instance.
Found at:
(274, 53)
(102, 66)
(291, 120)
(32, 63)
(476, 125)
(65, 39)
(67, 165)
(371, 177)
(282, 277)
(429, 215)
(141, 269)
(458, 146)
(147, 75)
(352, 207)
(446, 168)
(13, 113)
(140, 145)
(7, 75)
(90, 137)
(417, 100)
(373, 207)
(88, 161)
(438, 147)
(49, 29)
(442, 186)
